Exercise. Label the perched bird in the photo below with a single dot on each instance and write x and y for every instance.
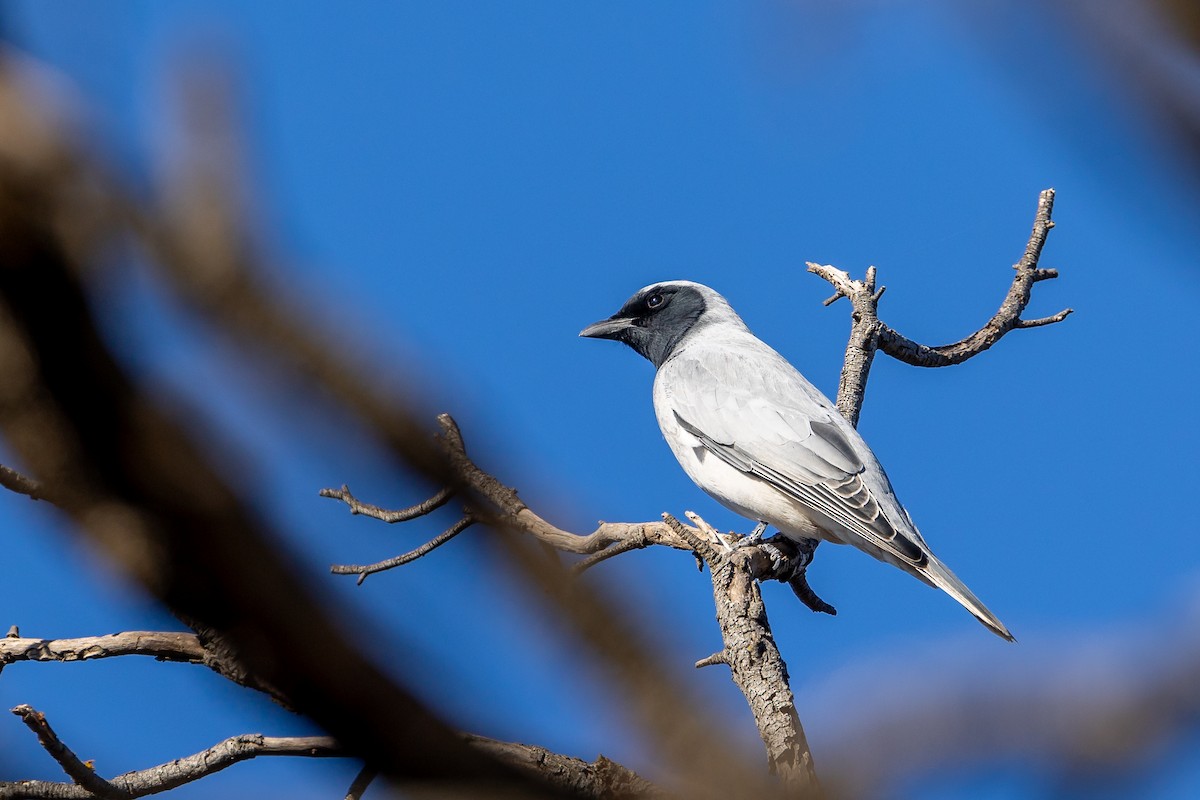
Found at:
(763, 441)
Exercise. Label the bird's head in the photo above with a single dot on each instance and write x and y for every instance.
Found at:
(656, 319)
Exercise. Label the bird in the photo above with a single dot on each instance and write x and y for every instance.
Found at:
(760, 439)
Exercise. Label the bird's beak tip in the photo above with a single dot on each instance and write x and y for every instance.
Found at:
(605, 328)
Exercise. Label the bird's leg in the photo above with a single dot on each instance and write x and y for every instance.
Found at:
(754, 537)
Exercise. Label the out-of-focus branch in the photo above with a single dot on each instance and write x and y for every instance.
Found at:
(868, 333)
(1097, 704)
(362, 780)
(16, 482)
(138, 486)
(601, 779)
(1151, 50)
(162, 778)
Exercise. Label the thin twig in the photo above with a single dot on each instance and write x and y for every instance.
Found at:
(80, 773)
(718, 657)
(361, 781)
(492, 500)
(363, 570)
(164, 777)
(632, 543)
(400, 515)
(16, 482)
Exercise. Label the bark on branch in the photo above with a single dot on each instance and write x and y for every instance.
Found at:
(753, 658)
(161, 645)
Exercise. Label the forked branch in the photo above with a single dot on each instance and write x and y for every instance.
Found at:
(490, 501)
(868, 333)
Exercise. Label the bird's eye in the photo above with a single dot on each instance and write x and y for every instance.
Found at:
(655, 301)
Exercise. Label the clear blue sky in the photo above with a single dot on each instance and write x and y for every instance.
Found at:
(463, 186)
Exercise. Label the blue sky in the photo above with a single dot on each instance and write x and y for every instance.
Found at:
(459, 188)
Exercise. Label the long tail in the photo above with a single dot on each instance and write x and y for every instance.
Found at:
(944, 579)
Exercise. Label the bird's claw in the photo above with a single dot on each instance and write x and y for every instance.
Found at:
(778, 559)
(752, 538)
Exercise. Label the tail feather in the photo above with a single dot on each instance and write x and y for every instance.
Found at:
(941, 576)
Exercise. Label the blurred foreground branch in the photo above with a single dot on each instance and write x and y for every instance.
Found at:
(119, 464)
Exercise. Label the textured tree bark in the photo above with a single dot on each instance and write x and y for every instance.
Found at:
(760, 673)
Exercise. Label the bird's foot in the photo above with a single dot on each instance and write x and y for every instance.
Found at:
(754, 537)
(782, 558)
(779, 559)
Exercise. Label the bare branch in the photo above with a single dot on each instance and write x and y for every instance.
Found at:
(16, 482)
(757, 662)
(868, 333)
(496, 503)
(360, 783)
(1037, 323)
(187, 648)
(362, 571)
(164, 777)
(163, 646)
(634, 542)
(401, 515)
(677, 722)
(599, 779)
(79, 772)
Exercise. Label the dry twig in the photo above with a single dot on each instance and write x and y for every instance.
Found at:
(87, 784)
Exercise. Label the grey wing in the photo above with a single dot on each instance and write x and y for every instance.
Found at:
(773, 424)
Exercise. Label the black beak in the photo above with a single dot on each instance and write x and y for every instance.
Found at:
(606, 328)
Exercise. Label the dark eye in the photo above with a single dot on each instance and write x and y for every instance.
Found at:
(655, 301)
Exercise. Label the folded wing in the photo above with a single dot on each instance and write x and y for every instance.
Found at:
(774, 425)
